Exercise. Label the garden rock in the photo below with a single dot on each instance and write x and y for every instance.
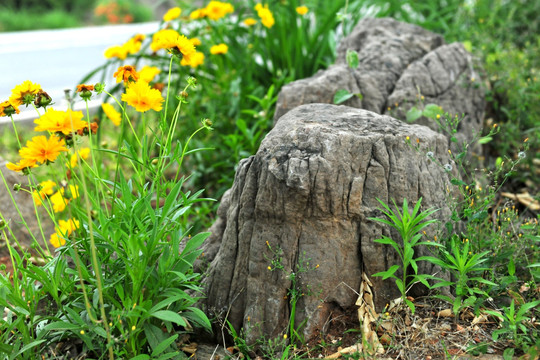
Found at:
(310, 191)
(398, 64)
(25, 203)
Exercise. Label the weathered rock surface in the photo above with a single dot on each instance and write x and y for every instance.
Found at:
(309, 191)
(24, 235)
(398, 63)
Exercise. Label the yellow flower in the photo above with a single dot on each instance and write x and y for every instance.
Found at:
(174, 42)
(66, 122)
(267, 18)
(183, 46)
(148, 73)
(111, 113)
(194, 60)
(58, 241)
(43, 150)
(249, 21)
(58, 201)
(142, 97)
(133, 45)
(22, 165)
(24, 93)
(215, 10)
(172, 14)
(117, 51)
(126, 73)
(197, 14)
(63, 231)
(83, 153)
(47, 188)
(302, 10)
(195, 41)
(7, 108)
(164, 39)
(219, 49)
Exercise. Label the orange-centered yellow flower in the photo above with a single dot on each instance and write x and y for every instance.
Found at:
(24, 93)
(142, 97)
(126, 73)
(219, 49)
(111, 113)
(172, 14)
(302, 10)
(43, 150)
(66, 122)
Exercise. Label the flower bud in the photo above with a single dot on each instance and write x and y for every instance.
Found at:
(42, 99)
(207, 123)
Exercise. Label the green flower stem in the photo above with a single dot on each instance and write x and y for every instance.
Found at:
(96, 266)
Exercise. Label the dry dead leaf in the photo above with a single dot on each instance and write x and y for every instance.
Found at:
(348, 350)
(459, 328)
(524, 198)
(190, 348)
(482, 318)
(408, 321)
(446, 313)
(367, 314)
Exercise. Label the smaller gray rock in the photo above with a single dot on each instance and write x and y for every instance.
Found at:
(25, 235)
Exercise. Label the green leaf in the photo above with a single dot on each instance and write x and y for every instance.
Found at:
(100, 331)
(61, 325)
(29, 346)
(167, 315)
(388, 273)
(141, 357)
(352, 59)
(413, 114)
(431, 111)
(456, 181)
(198, 317)
(511, 267)
(410, 305)
(485, 139)
(341, 96)
(164, 345)
(154, 335)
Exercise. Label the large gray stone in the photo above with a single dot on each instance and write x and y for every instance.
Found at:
(398, 63)
(309, 191)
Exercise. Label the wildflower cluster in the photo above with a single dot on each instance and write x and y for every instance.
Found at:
(114, 13)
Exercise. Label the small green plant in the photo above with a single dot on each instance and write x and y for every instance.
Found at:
(513, 325)
(462, 264)
(409, 226)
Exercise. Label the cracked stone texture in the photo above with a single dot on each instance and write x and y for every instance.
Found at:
(398, 61)
(23, 234)
(310, 191)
